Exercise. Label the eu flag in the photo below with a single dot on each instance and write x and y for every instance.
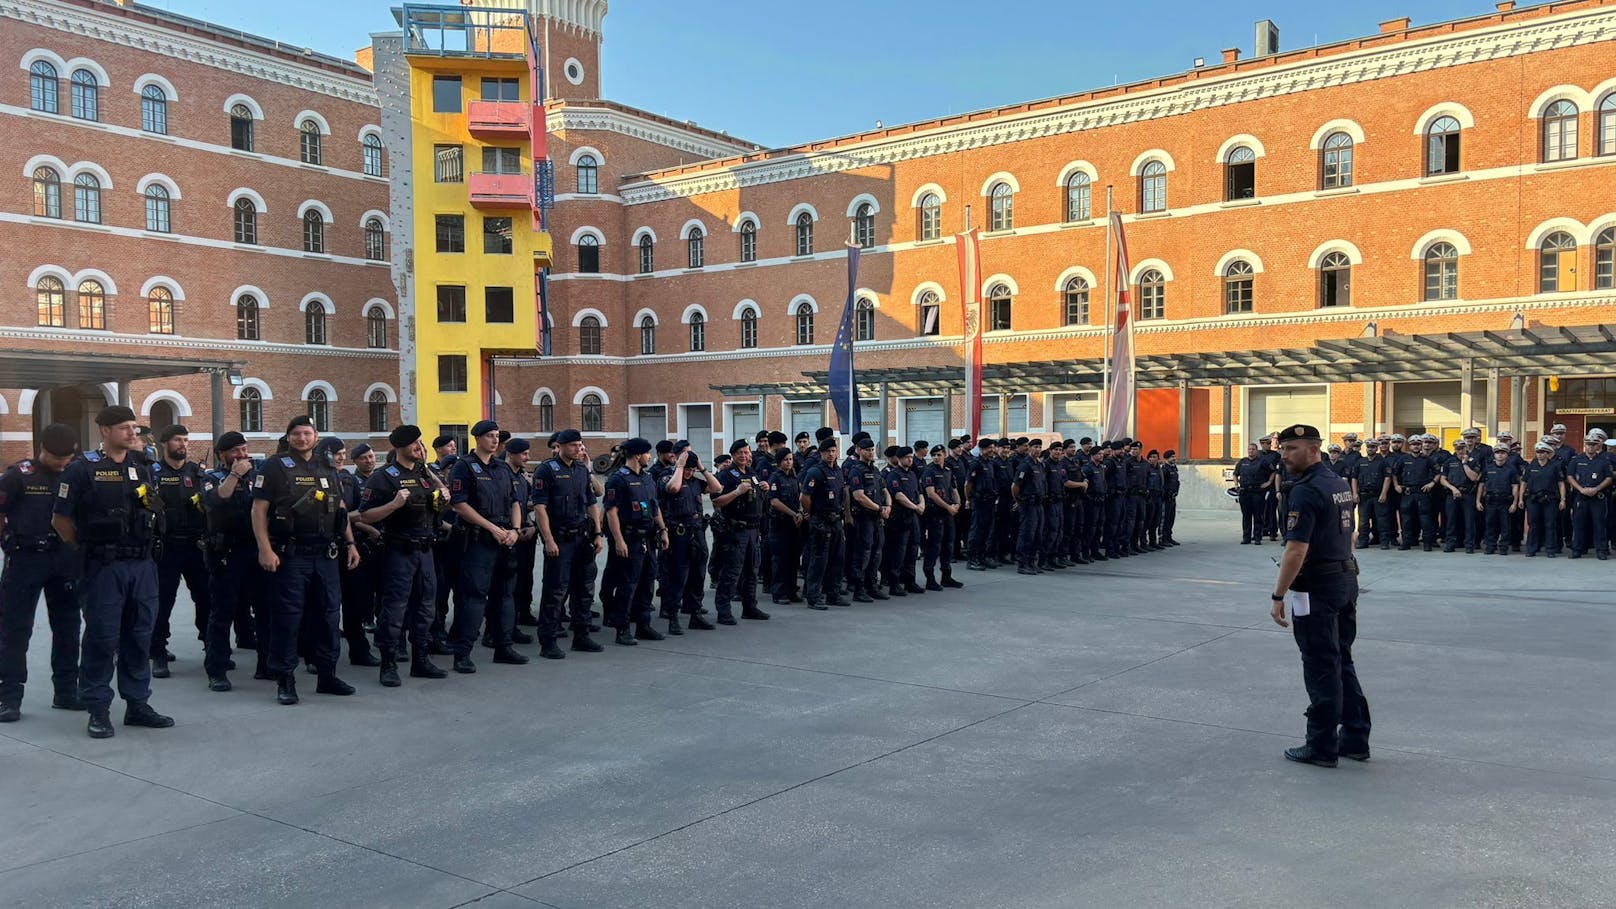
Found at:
(843, 386)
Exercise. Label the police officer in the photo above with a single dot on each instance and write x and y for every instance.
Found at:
(681, 492)
(942, 505)
(236, 583)
(1544, 489)
(179, 555)
(105, 505)
(982, 491)
(1170, 487)
(1589, 475)
(403, 500)
(1498, 496)
(822, 498)
(958, 463)
(1367, 479)
(1150, 537)
(1271, 504)
(482, 492)
(525, 554)
(301, 528)
(1415, 479)
(1252, 478)
(1459, 478)
(1052, 525)
(741, 501)
(785, 523)
(36, 562)
(568, 514)
(1318, 580)
(903, 521)
(636, 531)
(1094, 504)
(354, 609)
(361, 588)
(869, 506)
(1346, 467)
(1028, 490)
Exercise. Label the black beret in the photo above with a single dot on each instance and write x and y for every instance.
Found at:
(1169, 453)
(938, 450)
(679, 446)
(299, 420)
(514, 446)
(229, 440)
(404, 436)
(442, 440)
(861, 434)
(331, 444)
(1038, 442)
(722, 459)
(482, 427)
(664, 447)
(905, 451)
(892, 451)
(1119, 445)
(115, 415)
(636, 446)
(830, 444)
(762, 435)
(801, 437)
(1004, 441)
(922, 444)
(692, 462)
(59, 439)
(1136, 445)
(360, 450)
(172, 431)
(864, 444)
(504, 435)
(1153, 453)
(987, 443)
(1300, 431)
(823, 433)
(777, 438)
(567, 436)
(552, 440)
(1022, 440)
(738, 444)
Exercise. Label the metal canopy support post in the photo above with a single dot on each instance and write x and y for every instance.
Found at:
(216, 402)
(1467, 401)
(1492, 403)
(881, 443)
(948, 416)
(123, 394)
(1228, 422)
(1368, 410)
(1517, 407)
(763, 413)
(1184, 418)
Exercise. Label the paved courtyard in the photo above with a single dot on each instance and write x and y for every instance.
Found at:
(1107, 737)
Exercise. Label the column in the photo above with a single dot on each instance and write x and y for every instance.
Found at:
(1467, 401)
(123, 394)
(763, 414)
(216, 402)
(1184, 418)
(1492, 403)
(1004, 415)
(1228, 422)
(1517, 408)
(948, 417)
(1368, 410)
(885, 434)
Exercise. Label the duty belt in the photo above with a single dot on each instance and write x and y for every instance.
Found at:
(572, 533)
(14, 544)
(316, 549)
(408, 544)
(1325, 569)
(112, 552)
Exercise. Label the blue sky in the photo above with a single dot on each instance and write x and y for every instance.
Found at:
(779, 72)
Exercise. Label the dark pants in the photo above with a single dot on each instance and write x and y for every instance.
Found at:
(1169, 516)
(482, 564)
(1367, 527)
(1006, 529)
(1132, 516)
(899, 527)
(445, 558)
(1116, 505)
(1093, 526)
(1027, 534)
(981, 529)
(1543, 525)
(683, 568)
(826, 544)
(1461, 520)
(865, 542)
(1589, 524)
(1495, 526)
(1052, 531)
(304, 583)
(181, 559)
(737, 575)
(785, 554)
(1386, 515)
(625, 586)
(407, 599)
(939, 543)
(26, 576)
(565, 585)
(120, 606)
(1419, 521)
(527, 556)
(1150, 513)
(1270, 512)
(236, 584)
(1337, 708)
(359, 598)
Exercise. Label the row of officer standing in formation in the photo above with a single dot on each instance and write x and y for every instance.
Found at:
(293, 556)
(1498, 499)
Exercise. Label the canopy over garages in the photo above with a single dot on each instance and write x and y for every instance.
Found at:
(47, 369)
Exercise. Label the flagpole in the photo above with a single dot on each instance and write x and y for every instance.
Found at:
(1110, 323)
(853, 415)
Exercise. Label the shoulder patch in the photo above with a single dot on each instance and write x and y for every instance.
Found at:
(392, 470)
(258, 482)
(1291, 519)
(286, 461)
(25, 467)
(92, 456)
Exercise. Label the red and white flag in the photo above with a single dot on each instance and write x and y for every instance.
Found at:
(970, 267)
(1119, 409)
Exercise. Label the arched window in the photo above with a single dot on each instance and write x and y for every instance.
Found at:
(546, 413)
(1153, 187)
(247, 318)
(252, 410)
(1442, 147)
(749, 331)
(1002, 207)
(241, 128)
(1560, 131)
(647, 336)
(805, 324)
(313, 232)
(1240, 174)
(47, 193)
(588, 174)
(864, 225)
(1075, 301)
(92, 305)
(694, 246)
(931, 312)
(1605, 259)
(1079, 197)
(931, 217)
(1238, 277)
(43, 85)
(376, 328)
(589, 254)
(647, 255)
(154, 110)
(748, 241)
(698, 331)
(376, 405)
(319, 410)
(51, 297)
(308, 138)
(86, 98)
(157, 209)
(805, 234)
(1152, 295)
(160, 311)
(87, 199)
(1442, 272)
(1606, 119)
(1335, 280)
(864, 320)
(589, 336)
(375, 248)
(1557, 263)
(246, 218)
(593, 417)
(370, 149)
(999, 308)
(314, 324)
(1335, 162)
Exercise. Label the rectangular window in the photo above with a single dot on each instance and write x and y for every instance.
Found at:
(502, 89)
(1240, 181)
(497, 236)
(446, 94)
(241, 133)
(448, 164)
(500, 160)
(999, 314)
(451, 233)
(456, 431)
(451, 303)
(499, 303)
(451, 372)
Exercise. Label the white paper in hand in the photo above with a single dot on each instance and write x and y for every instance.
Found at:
(1298, 602)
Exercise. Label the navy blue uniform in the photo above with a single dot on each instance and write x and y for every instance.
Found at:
(236, 582)
(490, 489)
(361, 585)
(686, 557)
(1150, 533)
(1460, 524)
(527, 553)
(1319, 513)
(180, 555)
(1271, 496)
(1544, 494)
(939, 550)
(1499, 483)
(984, 489)
(629, 580)
(1370, 475)
(36, 562)
(409, 592)
(564, 492)
(1169, 510)
(737, 575)
(1094, 509)
(784, 549)
(902, 527)
(1415, 507)
(866, 540)
(1052, 527)
(1030, 490)
(1252, 476)
(305, 517)
(823, 485)
(1005, 517)
(1589, 522)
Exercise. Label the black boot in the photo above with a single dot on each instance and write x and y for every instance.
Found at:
(464, 665)
(931, 583)
(509, 656)
(948, 580)
(10, 711)
(422, 667)
(527, 618)
(330, 684)
(286, 690)
(219, 683)
(673, 626)
(100, 725)
(389, 674)
(67, 700)
(643, 631)
(753, 613)
(518, 636)
(159, 665)
(549, 650)
(359, 654)
(626, 638)
(583, 643)
(697, 623)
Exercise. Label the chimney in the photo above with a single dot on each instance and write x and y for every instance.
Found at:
(1395, 25)
(1506, 6)
(1267, 39)
(1231, 54)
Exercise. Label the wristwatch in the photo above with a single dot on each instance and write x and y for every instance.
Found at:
(1277, 597)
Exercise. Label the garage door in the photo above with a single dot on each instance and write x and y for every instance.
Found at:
(804, 416)
(743, 424)
(651, 423)
(922, 420)
(1431, 407)
(1075, 416)
(1272, 409)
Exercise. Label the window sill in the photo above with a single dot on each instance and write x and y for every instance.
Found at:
(1338, 191)
(1443, 178)
(324, 257)
(1006, 232)
(751, 264)
(692, 271)
(1568, 164)
(319, 167)
(802, 258)
(1239, 203)
(247, 154)
(1152, 215)
(1068, 225)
